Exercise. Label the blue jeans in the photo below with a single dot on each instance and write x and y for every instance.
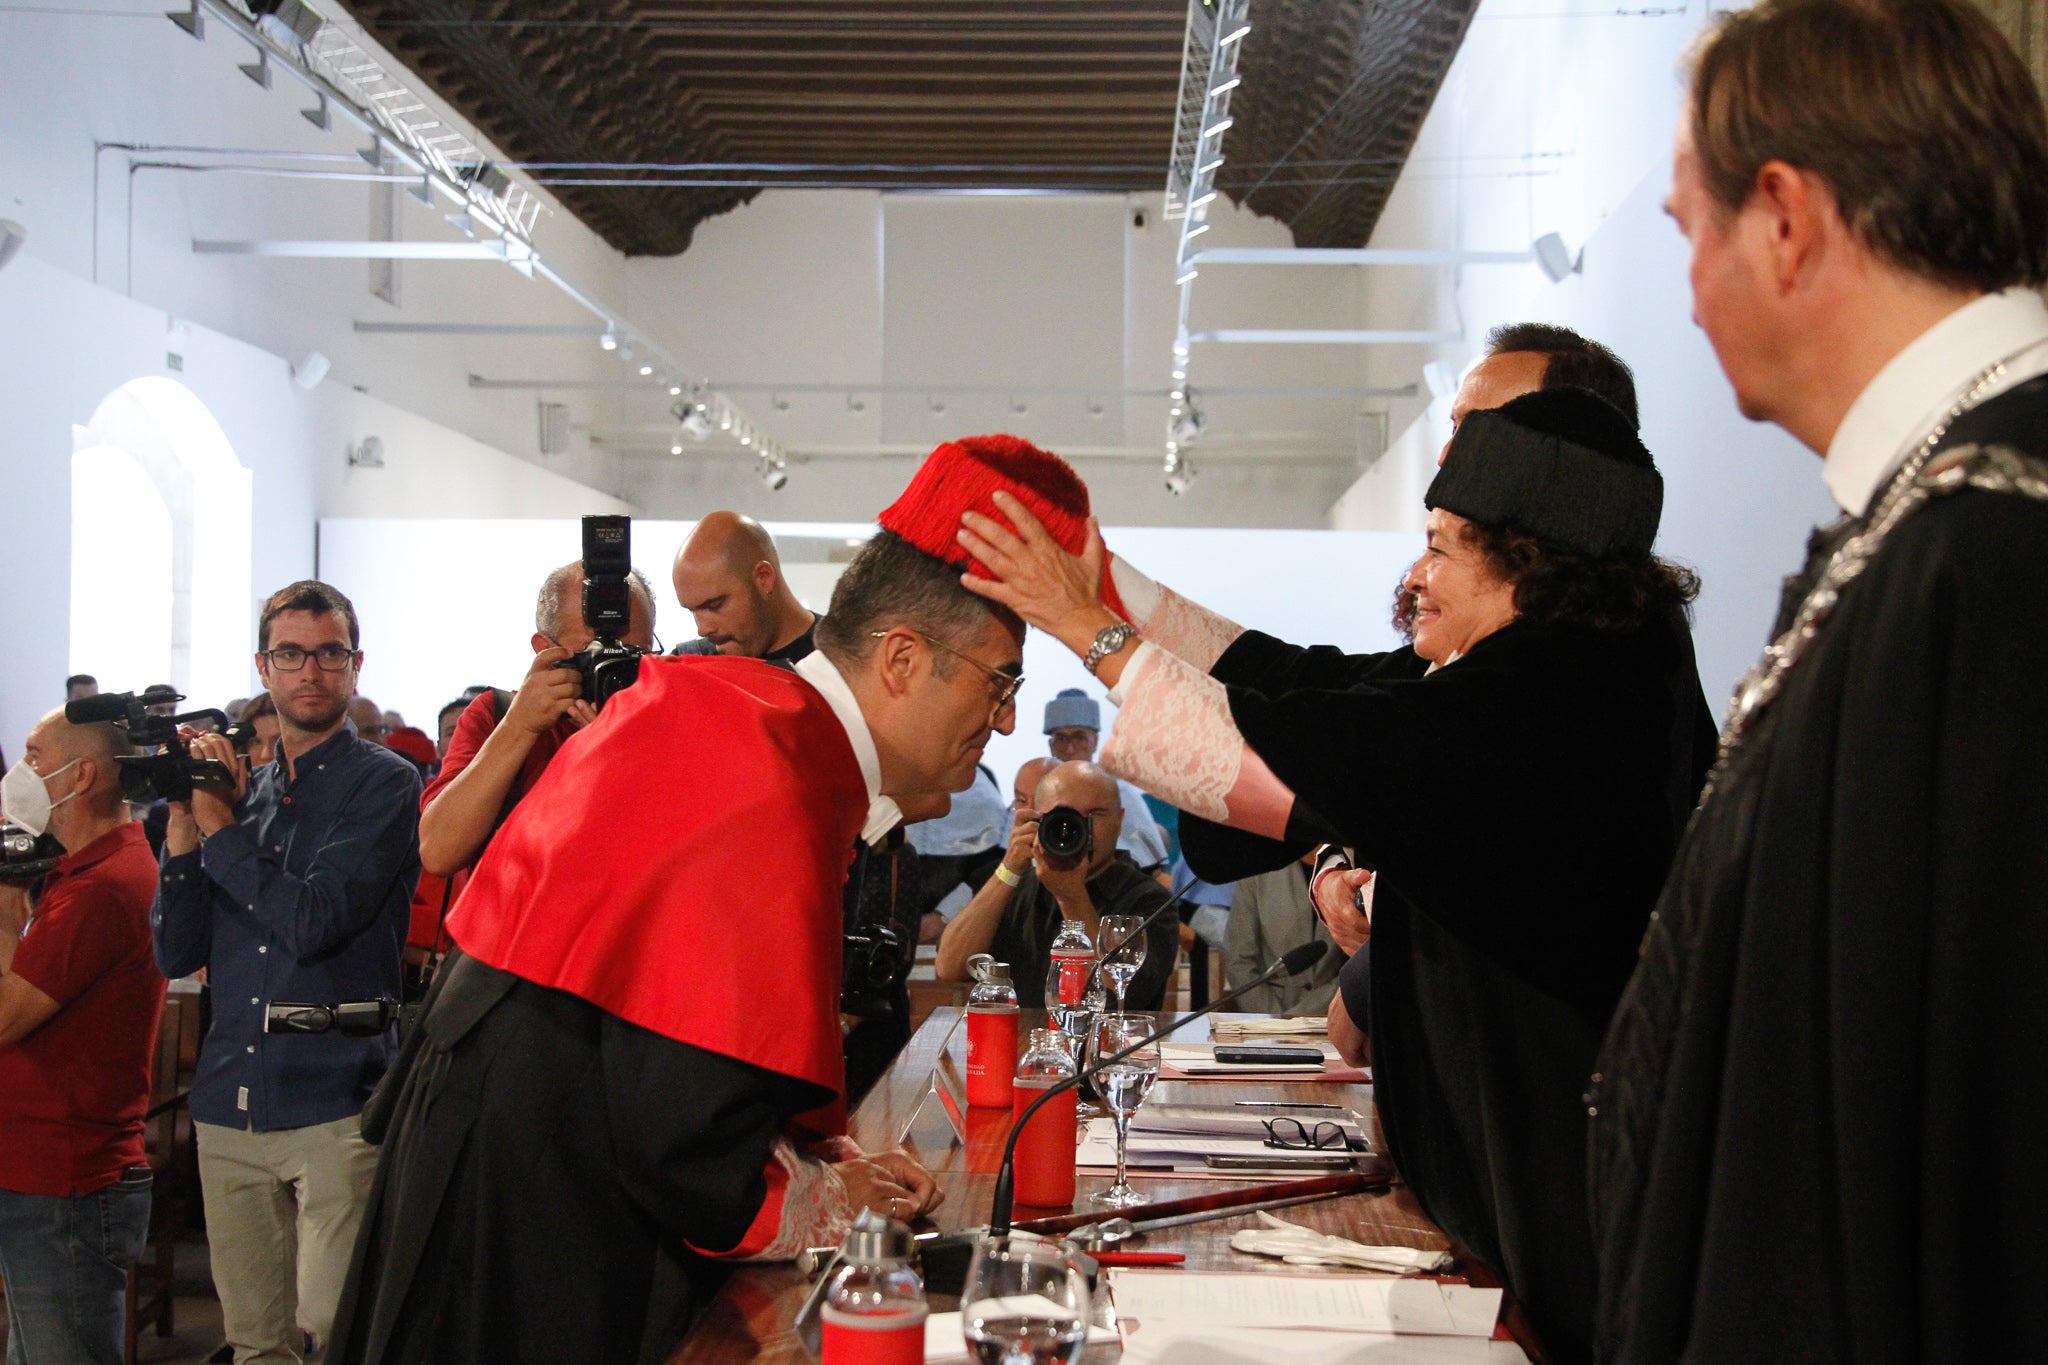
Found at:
(66, 1260)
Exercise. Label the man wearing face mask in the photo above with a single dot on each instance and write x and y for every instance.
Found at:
(293, 887)
(79, 1003)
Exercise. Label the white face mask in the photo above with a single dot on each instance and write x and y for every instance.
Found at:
(25, 800)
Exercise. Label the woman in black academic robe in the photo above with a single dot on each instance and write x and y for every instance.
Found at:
(1518, 780)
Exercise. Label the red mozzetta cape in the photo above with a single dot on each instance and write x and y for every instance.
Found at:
(681, 865)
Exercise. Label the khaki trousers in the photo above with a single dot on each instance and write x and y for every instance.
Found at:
(282, 1210)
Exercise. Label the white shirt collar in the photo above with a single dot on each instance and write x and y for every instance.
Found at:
(1918, 386)
(821, 673)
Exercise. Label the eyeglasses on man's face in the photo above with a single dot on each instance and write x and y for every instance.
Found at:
(291, 658)
(1006, 684)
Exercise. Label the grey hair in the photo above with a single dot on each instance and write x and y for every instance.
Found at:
(891, 582)
(555, 590)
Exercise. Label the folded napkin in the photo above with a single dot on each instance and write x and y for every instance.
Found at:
(1297, 1245)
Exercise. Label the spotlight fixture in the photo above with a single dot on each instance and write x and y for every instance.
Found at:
(646, 370)
(1180, 475)
(12, 235)
(610, 340)
(675, 449)
(1556, 258)
(289, 23)
(311, 369)
(696, 422)
(675, 390)
(1188, 421)
(368, 455)
(773, 472)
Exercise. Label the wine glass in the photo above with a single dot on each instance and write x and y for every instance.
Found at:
(1123, 946)
(1025, 1303)
(1123, 1085)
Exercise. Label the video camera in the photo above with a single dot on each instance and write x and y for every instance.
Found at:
(607, 665)
(24, 856)
(1066, 833)
(171, 773)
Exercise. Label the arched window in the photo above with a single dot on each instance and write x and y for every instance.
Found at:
(160, 521)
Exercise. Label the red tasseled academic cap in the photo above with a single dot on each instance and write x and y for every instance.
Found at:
(964, 475)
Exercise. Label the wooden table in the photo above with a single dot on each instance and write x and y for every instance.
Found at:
(753, 1316)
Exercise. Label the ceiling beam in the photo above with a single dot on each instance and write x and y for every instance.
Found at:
(481, 329)
(1247, 255)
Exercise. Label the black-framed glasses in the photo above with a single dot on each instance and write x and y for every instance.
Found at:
(1291, 1134)
(290, 658)
(1007, 684)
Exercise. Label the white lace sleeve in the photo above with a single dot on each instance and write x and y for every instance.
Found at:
(1175, 739)
(1167, 619)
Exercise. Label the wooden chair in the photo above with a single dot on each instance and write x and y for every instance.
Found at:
(166, 1136)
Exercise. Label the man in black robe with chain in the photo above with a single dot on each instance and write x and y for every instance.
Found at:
(1817, 1117)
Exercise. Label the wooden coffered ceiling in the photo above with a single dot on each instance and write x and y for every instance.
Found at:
(645, 118)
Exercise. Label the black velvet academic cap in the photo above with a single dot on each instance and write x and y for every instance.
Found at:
(1563, 465)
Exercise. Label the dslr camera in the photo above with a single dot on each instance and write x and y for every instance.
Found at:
(607, 665)
(171, 773)
(1066, 833)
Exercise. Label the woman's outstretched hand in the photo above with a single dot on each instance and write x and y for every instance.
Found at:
(1057, 592)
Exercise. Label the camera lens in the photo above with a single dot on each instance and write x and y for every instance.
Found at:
(1063, 832)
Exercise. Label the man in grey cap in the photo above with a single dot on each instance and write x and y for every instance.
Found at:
(1073, 727)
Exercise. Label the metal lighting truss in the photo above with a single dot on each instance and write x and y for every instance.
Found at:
(345, 78)
(1208, 73)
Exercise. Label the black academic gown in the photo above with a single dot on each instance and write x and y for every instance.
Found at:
(1821, 1110)
(544, 1164)
(1520, 807)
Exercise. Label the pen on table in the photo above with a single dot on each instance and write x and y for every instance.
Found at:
(1286, 1104)
(1116, 1258)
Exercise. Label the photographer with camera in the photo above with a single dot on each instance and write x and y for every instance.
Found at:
(290, 886)
(79, 1003)
(1018, 911)
(502, 744)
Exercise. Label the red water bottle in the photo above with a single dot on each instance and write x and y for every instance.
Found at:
(874, 1310)
(1044, 1169)
(991, 1036)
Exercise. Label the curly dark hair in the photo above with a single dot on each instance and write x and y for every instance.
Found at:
(1555, 587)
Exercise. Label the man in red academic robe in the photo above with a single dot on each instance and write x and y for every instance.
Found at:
(631, 1074)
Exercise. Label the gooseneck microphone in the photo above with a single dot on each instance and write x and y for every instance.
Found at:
(1295, 960)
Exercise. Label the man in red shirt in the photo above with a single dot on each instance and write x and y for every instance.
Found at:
(80, 997)
(495, 758)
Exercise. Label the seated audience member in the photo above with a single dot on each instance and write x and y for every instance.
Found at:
(291, 887)
(1018, 911)
(81, 685)
(616, 1095)
(959, 851)
(413, 745)
(1073, 727)
(79, 1002)
(728, 576)
(261, 712)
(1204, 908)
(1271, 913)
(368, 718)
(393, 722)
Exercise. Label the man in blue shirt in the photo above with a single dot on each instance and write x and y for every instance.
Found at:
(293, 887)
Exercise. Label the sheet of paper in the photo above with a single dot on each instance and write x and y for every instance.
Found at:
(1302, 1346)
(1160, 1153)
(1351, 1303)
(945, 1341)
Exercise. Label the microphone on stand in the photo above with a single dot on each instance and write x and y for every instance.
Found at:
(1295, 960)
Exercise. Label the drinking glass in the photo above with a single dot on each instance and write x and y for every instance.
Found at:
(1025, 1303)
(1123, 1086)
(1122, 964)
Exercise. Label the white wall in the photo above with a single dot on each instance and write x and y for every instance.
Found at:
(66, 344)
(432, 625)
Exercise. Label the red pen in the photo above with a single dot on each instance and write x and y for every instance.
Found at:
(1137, 1257)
